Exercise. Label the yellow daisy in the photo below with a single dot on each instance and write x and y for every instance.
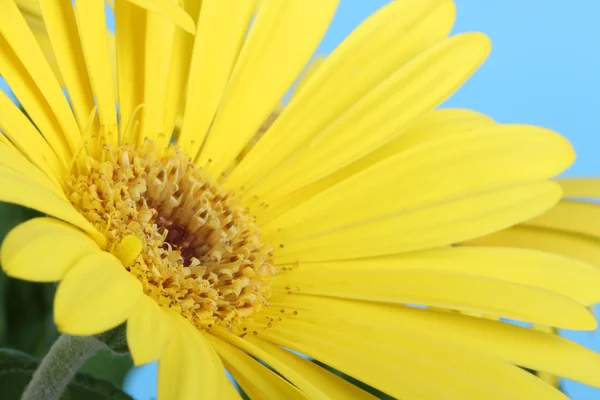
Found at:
(221, 239)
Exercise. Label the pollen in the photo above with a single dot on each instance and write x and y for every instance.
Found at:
(201, 252)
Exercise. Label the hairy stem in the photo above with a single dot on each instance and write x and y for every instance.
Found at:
(59, 366)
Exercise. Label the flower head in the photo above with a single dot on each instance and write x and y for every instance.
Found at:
(223, 226)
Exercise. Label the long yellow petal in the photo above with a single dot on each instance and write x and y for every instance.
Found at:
(521, 346)
(450, 290)
(95, 295)
(148, 331)
(423, 175)
(18, 36)
(169, 10)
(94, 42)
(158, 42)
(20, 252)
(382, 44)
(574, 245)
(190, 367)
(255, 379)
(23, 134)
(130, 26)
(436, 124)
(310, 388)
(561, 275)
(571, 216)
(280, 42)
(183, 45)
(211, 65)
(330, 383)
(61, 24)
(375, 120)
(580, 187)
(19, 189)
(458, 373)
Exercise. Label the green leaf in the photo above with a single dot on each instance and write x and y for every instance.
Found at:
(17, 368)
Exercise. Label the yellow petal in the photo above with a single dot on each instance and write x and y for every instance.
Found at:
(21, 250)
(94, 42)
(21, 132)
(183, 45)
(148, 331)
(62, 30)
(310, 389)
(169, 10)
(128, 249)
(435, 225)
(382, 44)
(580, 187)
(18, 189)
(457, 373)
(18, 36)
(426, 174)
(331, 384)
(280, 42)
(436, 124)
(571, 216)
(255, 379)
(374, 121)
(577, 246)
(211, 65)
(97, 294)
(190, 367)
(451, 290)
(561, 275)
(308, 73)
(159, 42)
(469, 336)
(130, 26)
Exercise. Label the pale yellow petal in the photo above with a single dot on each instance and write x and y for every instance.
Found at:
(577, 246)
(19, 189)
(190, 367)
(255, 379)
(183, 44)
(450, 290)
(570, 216)
(427, 174)
(436, 124)
(20, 255)
(467, 335)
(96, 294)
(211, 65)
(374, 121)
(457, 373)
(382, 44)
(580, 187)
(23, 134)
(130, 26)
(148, 331)
(280, 42)
(24, 47)
(169, 10)
(91, 21)
(310, 389)
(62, 30)
(331, 384)
(308, 73)
(538, 269)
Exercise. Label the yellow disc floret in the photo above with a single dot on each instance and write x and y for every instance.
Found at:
(201, 251)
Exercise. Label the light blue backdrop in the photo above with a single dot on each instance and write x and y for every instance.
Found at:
(544, 69)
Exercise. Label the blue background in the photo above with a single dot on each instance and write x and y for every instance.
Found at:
(544, 70)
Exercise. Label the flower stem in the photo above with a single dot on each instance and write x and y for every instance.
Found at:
(59, 366)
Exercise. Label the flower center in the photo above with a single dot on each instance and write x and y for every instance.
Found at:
(201, 250)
